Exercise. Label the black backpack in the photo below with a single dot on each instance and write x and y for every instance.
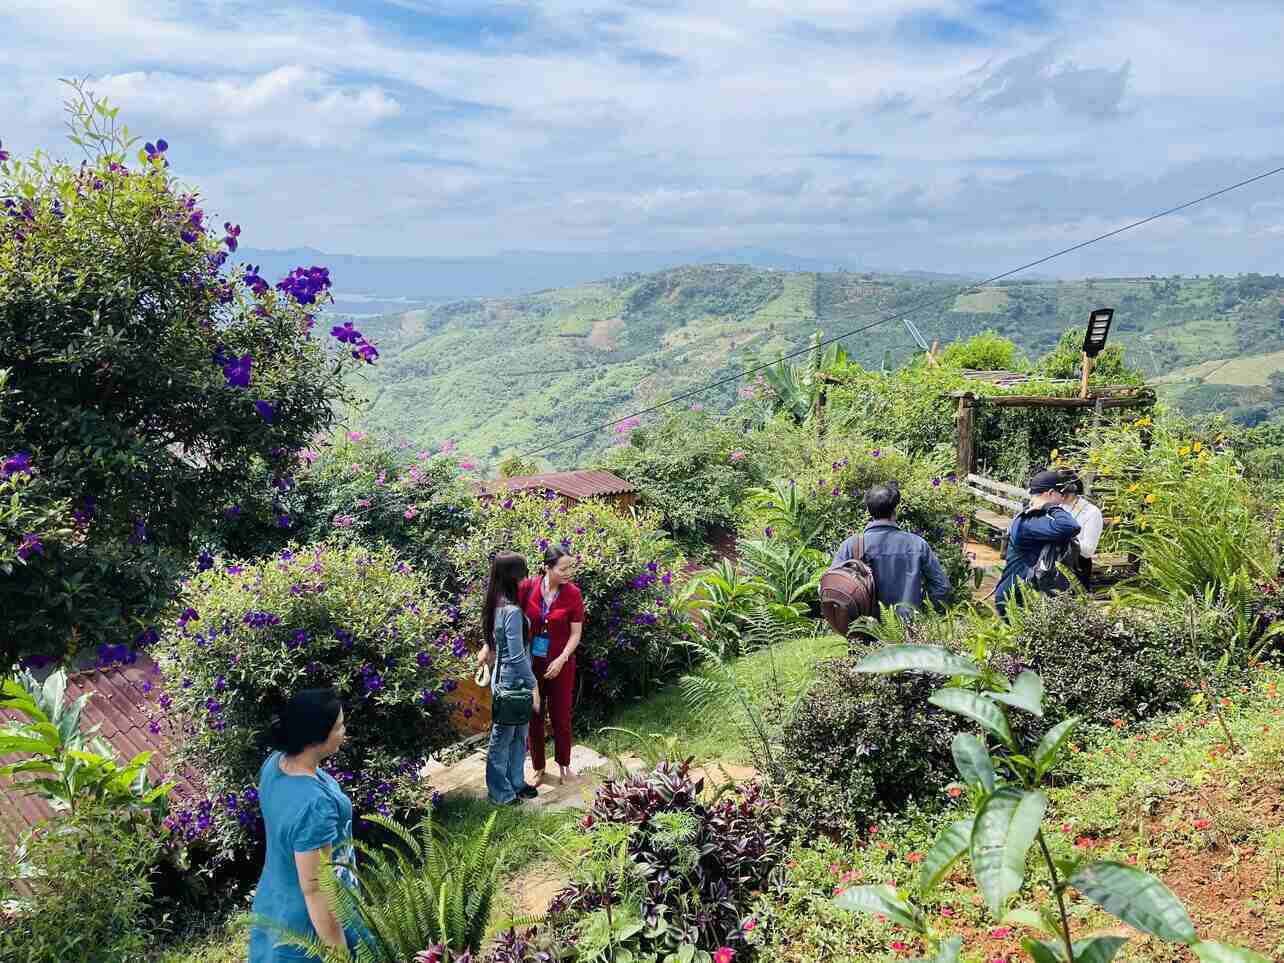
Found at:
(1046, 574)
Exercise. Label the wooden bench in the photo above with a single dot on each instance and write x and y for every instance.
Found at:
(1007, 497)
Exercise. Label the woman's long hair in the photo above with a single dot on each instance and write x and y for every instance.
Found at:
(506, 571)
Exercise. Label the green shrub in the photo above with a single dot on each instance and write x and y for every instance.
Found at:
(360, 490)
(147, 375)
(987, 351)
(89, 876)
(693, 468)
(623, 574)
(1102, 664)
(1066, 360)
(252, 634)
(857, 746)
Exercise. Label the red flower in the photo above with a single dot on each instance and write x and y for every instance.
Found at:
(751, 924)
(1000, 933)
(954, 792)
(914, 857)
(1085, 842)
(724, 954)
(900, 947)
(1202, 823)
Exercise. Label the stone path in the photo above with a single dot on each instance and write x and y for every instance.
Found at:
(467, 777)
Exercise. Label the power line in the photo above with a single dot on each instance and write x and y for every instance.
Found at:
(921, 303)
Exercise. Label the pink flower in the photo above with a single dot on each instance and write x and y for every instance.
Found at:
(447, 446)
(751, 924)
(308, 455)
(355, 467)
(736, 455)
(724, 954)
(899, 947)
(381, 478)
(1201, 823)
(356, 436)
(466, 466)
(363, 503)
(947, 911)
(627, 425)
(1000, 933)
(696, 406)
(411, 512)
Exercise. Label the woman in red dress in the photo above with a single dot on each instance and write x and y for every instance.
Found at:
(556, 611)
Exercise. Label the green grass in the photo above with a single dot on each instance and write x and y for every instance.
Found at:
(773, 676)
(1251, 370)
(226, 944)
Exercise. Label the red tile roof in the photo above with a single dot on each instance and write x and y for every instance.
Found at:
(574, 484)
(118, 705)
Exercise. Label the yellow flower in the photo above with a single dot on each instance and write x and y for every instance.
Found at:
(1056, 453)
(1105, 469)
(1092, 457)
(1150, 499)
(1184, 450)
(1143, 422)
(1133, 487)
(1197, 447)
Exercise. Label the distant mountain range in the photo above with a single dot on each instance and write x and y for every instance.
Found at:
(505, 375)
(372, 285)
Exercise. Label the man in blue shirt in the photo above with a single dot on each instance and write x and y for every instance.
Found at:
(902, 562)
(1045, 522)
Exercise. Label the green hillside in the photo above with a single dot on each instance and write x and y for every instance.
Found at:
(506, 375)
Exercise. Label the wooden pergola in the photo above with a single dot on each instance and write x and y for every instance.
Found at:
(1099, 398)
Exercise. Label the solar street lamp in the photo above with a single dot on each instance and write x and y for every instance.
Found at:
(1094, 339)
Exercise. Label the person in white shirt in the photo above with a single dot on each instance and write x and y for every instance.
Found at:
(1090, 522)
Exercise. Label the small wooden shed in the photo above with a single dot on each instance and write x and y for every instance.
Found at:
(570, 487)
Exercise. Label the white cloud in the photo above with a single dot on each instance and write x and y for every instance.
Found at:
(288, 105)
(820, 126)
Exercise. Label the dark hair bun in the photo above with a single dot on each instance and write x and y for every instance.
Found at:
(306, 720)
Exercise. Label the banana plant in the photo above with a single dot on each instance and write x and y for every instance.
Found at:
(1004, 781)
(722, 600)
(797, 386)
(785, 508)
(62, 764)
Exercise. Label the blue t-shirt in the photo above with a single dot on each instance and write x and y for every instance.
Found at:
(301, 814)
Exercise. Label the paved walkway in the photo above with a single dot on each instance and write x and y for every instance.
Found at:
(467, 777)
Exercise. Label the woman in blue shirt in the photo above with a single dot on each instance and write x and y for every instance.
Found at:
(503, 626)
(306, 815)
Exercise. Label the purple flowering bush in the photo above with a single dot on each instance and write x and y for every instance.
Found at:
(149, 372)
(624, 573)
(248, 635)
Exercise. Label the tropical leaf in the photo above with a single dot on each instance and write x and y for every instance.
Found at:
(976, 708)
(1137, 898)
(918, 658)
(1004, 829)
(1039, 951)
(1026, 693)
(973, 761)
(1045, 756)
(1210, 952)
(951, 844)
(880, 900)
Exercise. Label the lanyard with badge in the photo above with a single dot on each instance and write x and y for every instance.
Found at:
(539, 644)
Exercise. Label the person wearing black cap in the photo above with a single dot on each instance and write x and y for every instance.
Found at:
(1045, 522)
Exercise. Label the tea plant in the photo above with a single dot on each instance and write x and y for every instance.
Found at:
(1008, 809)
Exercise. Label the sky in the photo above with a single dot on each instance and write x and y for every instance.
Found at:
(937, 135)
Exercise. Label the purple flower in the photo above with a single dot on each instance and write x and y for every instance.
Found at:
(232, 512)
(149, 636)
(667, 579)
(254, 282)
(936, 483)
(877, 453)
(366, 352)
(260, 620)
(233, 231)
(305, 284)
(220, 684)
(235, 570)
(283, 521)
(265, 410)
(204, 561)
(237, 370)
(214, 706)
(4, 155)
(769, 531)
(189, 615)
(424, 659)
(298, 640)
(153, 727)
(373, 682)
(139, 536)
(346, 333)
(31, 545)
(19, 464)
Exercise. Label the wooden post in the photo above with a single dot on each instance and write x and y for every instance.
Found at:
(931, 354)
(967, 446)
(821, 398)
(1087, 369)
